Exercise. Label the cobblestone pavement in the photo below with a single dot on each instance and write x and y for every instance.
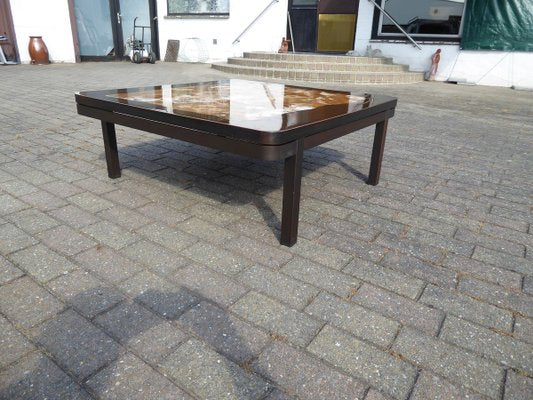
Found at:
(169, 283)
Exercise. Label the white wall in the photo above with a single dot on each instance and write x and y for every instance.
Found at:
(492, 68)
(264, 35)
(47, 18)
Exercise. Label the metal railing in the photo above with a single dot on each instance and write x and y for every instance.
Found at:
(395, 23)
(238, 38)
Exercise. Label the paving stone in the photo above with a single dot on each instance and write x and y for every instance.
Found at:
(17, 187)
(277, 394)
(518, 387)
(130, 378)
(209, 284)
(354, 247)
(508, 234)
(61, 189)
(484, 271)
(451, 362)
(375, 395)
(96, 186)
(347, 228)
(154, 257)
(67, 174)
(148, 335)
(275, 284)
(8, 271)
(500, 259)
(523, 329)
(107, 264)
(389, 374)
(462, 306)
(84, 292)
(216, 258)
(501, 348)
(490, 242)
(168, 215)
(13, 239)
(170, 238)
(126, 198)
(36, 177)
(206, 231)
(225, 332)
(528, 285)
(325, 278)
(305, 376)
(158, 294)
(26, 303)
(281, 321)
(110, 234)
(386, 278)
(90, 202)
(420, 269)
(497, 295)
(429, 386)
(74, 216)
(125, 217)
(445, 244)
(357, 320)
(44, 201)
(66, 240)
(75, 344)
(13, 345)
(37, 377)
(32, 221)
(41, 262)
(258, 252)
(411, 247)
(9, 204)
(212, 214)
(399, 308)
(209, 375)
(318, 253)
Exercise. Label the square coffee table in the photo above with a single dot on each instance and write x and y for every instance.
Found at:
(262, 120)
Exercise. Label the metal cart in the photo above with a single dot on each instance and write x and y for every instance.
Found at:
(142, 51)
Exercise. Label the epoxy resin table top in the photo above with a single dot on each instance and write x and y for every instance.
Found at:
(252, 105)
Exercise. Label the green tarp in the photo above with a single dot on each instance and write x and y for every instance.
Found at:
(498, 25)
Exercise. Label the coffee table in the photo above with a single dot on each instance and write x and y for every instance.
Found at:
(261, 120)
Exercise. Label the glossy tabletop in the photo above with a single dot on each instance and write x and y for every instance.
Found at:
(247, 104)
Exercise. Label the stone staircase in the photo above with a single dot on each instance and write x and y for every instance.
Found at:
(320, 68)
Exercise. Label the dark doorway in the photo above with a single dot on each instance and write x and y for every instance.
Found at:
(323, 25)
(7, 29)
(104, 27)
(304, 24)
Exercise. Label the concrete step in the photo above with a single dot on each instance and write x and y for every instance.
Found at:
(322, 76)
(317, 66)
(310, 57)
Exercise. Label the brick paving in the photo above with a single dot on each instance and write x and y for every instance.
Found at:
(170, 283)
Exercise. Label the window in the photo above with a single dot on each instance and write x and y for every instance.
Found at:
(198, 7)
(431, 19)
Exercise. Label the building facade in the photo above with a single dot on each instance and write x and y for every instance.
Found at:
(486, 42)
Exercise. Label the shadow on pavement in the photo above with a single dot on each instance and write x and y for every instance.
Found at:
(195, 343)
(202, 175)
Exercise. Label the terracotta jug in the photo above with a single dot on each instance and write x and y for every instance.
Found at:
(38, 50)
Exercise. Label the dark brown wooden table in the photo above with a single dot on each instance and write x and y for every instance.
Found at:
(267, 121)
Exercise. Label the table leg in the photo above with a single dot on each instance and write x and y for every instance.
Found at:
(377, 152)
(111, 152)
(291, 196)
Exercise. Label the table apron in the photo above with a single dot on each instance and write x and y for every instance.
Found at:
(235, 146)
(334, 133)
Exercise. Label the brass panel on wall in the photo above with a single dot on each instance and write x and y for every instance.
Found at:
(336, 32)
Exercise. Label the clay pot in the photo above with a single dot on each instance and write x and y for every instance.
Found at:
(38, 50)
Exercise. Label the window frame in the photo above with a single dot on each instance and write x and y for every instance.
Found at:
(200, 15)
(419, 37)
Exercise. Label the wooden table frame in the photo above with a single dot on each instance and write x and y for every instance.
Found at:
(291, 151)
